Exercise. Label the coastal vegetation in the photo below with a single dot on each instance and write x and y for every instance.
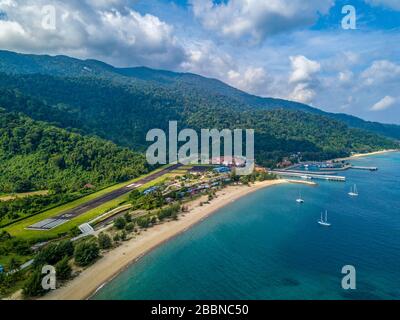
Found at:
(86, 253)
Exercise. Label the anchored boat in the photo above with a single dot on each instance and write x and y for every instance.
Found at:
(324, 222)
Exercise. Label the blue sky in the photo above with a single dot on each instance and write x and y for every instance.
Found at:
(291, 49)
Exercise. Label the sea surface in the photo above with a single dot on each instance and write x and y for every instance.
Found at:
(266, 246)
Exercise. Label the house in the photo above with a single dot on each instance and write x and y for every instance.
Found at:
(261, 169)
(222, 169)
(149, 190)
(284, 164)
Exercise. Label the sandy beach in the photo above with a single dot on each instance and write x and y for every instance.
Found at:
(116, 260)
(359, 155)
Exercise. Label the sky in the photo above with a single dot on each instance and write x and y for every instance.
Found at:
(291, 49)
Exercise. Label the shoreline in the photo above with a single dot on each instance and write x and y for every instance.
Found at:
(113, 262)
(360, 155)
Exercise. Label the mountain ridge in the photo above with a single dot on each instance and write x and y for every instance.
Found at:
(62, 65)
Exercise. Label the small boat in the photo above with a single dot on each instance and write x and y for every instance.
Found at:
(299, 199)
(324, 222)
(353, 191)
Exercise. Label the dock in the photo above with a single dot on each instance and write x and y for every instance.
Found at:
(308, 183)
(306, 175)
(364, 168)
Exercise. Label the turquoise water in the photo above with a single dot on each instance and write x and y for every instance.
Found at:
(266, 246)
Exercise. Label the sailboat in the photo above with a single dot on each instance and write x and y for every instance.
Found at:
(353, 191)
(324, 222)
(299, 199)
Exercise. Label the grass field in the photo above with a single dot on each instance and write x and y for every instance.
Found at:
(13, 196)
(18, 229)
(5, 260)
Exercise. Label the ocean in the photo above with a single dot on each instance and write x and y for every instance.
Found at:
(267, 246)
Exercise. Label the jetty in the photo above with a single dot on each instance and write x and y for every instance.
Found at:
(307, 175)
(364, 168)
(308, 183)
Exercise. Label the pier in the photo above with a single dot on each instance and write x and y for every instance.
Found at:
(364, 168)
(307, 175)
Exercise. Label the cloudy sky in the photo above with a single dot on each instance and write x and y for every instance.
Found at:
(292, 49)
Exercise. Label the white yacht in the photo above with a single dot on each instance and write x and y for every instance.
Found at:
(353, 191)
(322, 221)
(299, 199)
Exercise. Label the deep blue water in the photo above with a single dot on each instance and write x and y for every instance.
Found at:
(266, 246)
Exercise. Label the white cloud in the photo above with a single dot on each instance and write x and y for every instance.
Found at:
(393, 4)
(256, 19)
(302, 77)
(205, 58)
(380, 71)
(114, 33)
(302, 93)
(251, 79)
(303, 69)
(349, 101)
(345, 76)
(383, 104)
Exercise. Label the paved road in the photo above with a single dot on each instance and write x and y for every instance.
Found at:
(113, 194)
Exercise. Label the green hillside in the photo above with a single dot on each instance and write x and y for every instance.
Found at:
(185, 85)
(37, 156)
(121, 105)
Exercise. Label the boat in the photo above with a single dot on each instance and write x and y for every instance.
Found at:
(299, 199)
(324, 222)
(353, 191)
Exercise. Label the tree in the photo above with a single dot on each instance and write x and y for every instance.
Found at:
(4, 235)
(128, 217)
(66, 247)
(116, 237)
(153, 220)
(143, 222)
(63, 269)
(54, 252)
(134, 195)
(75, 231)
(129, 227)
(33, 286)
(245, 180)
(86, 253)
(13, 265)
(123, 235)
(104, 241)
(119, 223)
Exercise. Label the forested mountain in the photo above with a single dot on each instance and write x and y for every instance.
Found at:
(121, 105)
(37, 156)
(183, 84)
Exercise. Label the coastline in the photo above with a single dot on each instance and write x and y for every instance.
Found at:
(115, 261)
(360, 155)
